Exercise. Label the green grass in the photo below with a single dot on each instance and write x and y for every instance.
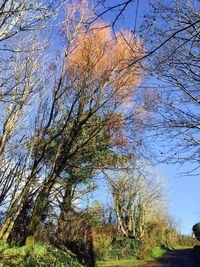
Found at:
(38, 249)
(157, 252)
(39, 255)
(128, 262)
(182, 247)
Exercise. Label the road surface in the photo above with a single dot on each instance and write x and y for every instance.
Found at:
(175, 258)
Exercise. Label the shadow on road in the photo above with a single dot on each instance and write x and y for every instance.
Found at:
(176, 258)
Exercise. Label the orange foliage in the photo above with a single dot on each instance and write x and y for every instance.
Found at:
(103, 62)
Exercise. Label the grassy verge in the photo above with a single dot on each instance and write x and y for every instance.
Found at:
(128, 262)
(155, 253)
(182, 247)
(35, 256)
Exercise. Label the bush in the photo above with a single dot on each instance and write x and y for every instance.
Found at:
(122, 248)
(74, 233)
(118, 248)
(142, 249)
(196, 231)
(102, 244)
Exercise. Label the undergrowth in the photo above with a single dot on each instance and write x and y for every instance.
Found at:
(38, 255)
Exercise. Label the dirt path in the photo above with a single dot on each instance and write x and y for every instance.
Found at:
(175, 258)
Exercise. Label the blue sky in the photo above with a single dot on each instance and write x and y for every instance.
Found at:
(184, 197)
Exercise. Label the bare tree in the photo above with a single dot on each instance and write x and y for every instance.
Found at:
(15, 142)
(21, 15)
(135, 198)
(176, 67)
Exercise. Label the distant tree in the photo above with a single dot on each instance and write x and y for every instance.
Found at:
(135, 198)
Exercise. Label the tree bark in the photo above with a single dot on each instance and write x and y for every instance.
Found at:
(40, 204)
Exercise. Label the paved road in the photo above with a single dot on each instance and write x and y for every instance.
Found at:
(175, 258)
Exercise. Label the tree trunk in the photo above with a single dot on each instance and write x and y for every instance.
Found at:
(14, 212)
(66, 204)
(39, 207)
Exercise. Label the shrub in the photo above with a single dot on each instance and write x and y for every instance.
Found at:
(102, 244)
(196, 231)
(122, 248)
(74, 233)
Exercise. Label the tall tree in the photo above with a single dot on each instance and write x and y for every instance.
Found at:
(95, 85)
(85, 97)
